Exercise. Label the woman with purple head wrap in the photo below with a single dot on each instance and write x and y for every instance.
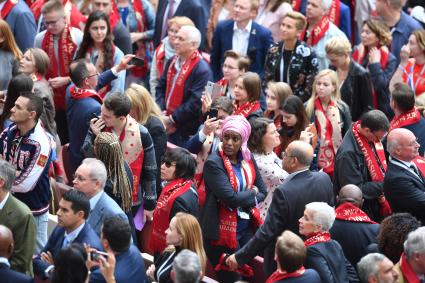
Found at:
(233, 189)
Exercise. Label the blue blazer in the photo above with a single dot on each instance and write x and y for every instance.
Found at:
(8, 275)
(22, 24)
(129, 267)
(345, 19)
(104, 208)
(260, 40)
(54, 245)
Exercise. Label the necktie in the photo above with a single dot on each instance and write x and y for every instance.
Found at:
(168, 16)
(413, 167)
(65, 242)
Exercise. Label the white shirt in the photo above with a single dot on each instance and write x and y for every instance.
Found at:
(240, 38)
(95, 199)
(5, 261)
(3, 202)
(406, 165)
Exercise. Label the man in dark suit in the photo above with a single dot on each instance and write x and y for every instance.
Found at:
(74, 209)
(406, 115)
(184, 8)
(404, 184)
(244, 36)
(129, 266)
(15, 215)
(8, 275)
(352, 228)
(90, 178)
(181, 86)
(300, 188)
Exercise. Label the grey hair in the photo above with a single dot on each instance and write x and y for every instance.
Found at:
(7, 174)
(187, 267)
(415, 242)
(97, 170)
(392, 145)
(322, 214)
(302, 155)
(194, 35)
(326, 5)
(369, 266)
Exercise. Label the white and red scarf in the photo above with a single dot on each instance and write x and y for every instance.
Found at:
(349, 212)
(81, 93)
(228, 220)
(175, 98)
(405, 119)
(328, 127)
(245, 109)
(280, 275)
(317, 33)
(318, 237)
(162, 211)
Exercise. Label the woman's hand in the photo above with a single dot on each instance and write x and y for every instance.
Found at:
(151, 272)
(107, 267)
(59, 81)
(404, 55)
(96, 125)
(206, 102)
(374, 55)
(210, 125)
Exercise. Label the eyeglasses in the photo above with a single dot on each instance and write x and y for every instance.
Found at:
(284, 154)
(51, 23)
(168, 163)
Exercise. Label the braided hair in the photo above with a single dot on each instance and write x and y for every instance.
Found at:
(108, 150)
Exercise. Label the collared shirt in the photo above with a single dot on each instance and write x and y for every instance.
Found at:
(5, 261)
(175, 6)
(240, 38)
(70, 237)
(406, 165)
(94, 200)
(4, 201)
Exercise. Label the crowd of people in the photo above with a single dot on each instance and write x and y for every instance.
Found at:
(205, 133)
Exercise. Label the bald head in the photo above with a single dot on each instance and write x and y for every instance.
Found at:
(402, 144)
(302, 151)
(352, 194)
(6, 242)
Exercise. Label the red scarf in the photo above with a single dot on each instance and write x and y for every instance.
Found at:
(335, 12)
(405, 119)
(66, 52)
(420, 163)
(160, 58)
(329, 130)
(317, 33)
(349, 212)
(408, 274)
(114, 16)
(81, 93)
(161, 214)
(245, 109)
(223, 83)
(228, 220)
(175, 98)
(319, 237)
(280, 275)
(100, 66)
(296, 5)
(359, 55)
(75, 21)
(8, 6)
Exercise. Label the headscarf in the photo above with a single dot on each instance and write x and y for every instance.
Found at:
(240, 125)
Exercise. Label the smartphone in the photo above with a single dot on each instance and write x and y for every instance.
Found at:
(213, 113)
(213, 89)
(94, 116)
(95, 255)
(137, 61)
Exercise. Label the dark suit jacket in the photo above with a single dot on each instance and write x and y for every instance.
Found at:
(129, 267)
(188, 8)
(329, 261)
(8, 275)
(259, 43)
(286, 209)
(18, 218)
(354, 238)
(54, 245)
(404, 191)
(419, 130)
(186, 115)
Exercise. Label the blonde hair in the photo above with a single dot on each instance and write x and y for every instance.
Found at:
(420, 39)
(281, 90)
(335, 96)
(143, 103)
(338, 46)
(188, 228)
(108, 150)
(300, 19)
(181, 21)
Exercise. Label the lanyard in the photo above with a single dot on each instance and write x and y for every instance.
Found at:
(412, 85)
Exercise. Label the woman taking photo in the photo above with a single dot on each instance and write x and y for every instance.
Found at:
(98, 47)
(373, 54)
(291, 60)
(331, 117)
(178, 194)
(234, 187)
(412, 71)
(355, 83)
(184, 232)
(147, 113)
(263, 139)
(324, 254)
(9, 56)
(247, 93)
